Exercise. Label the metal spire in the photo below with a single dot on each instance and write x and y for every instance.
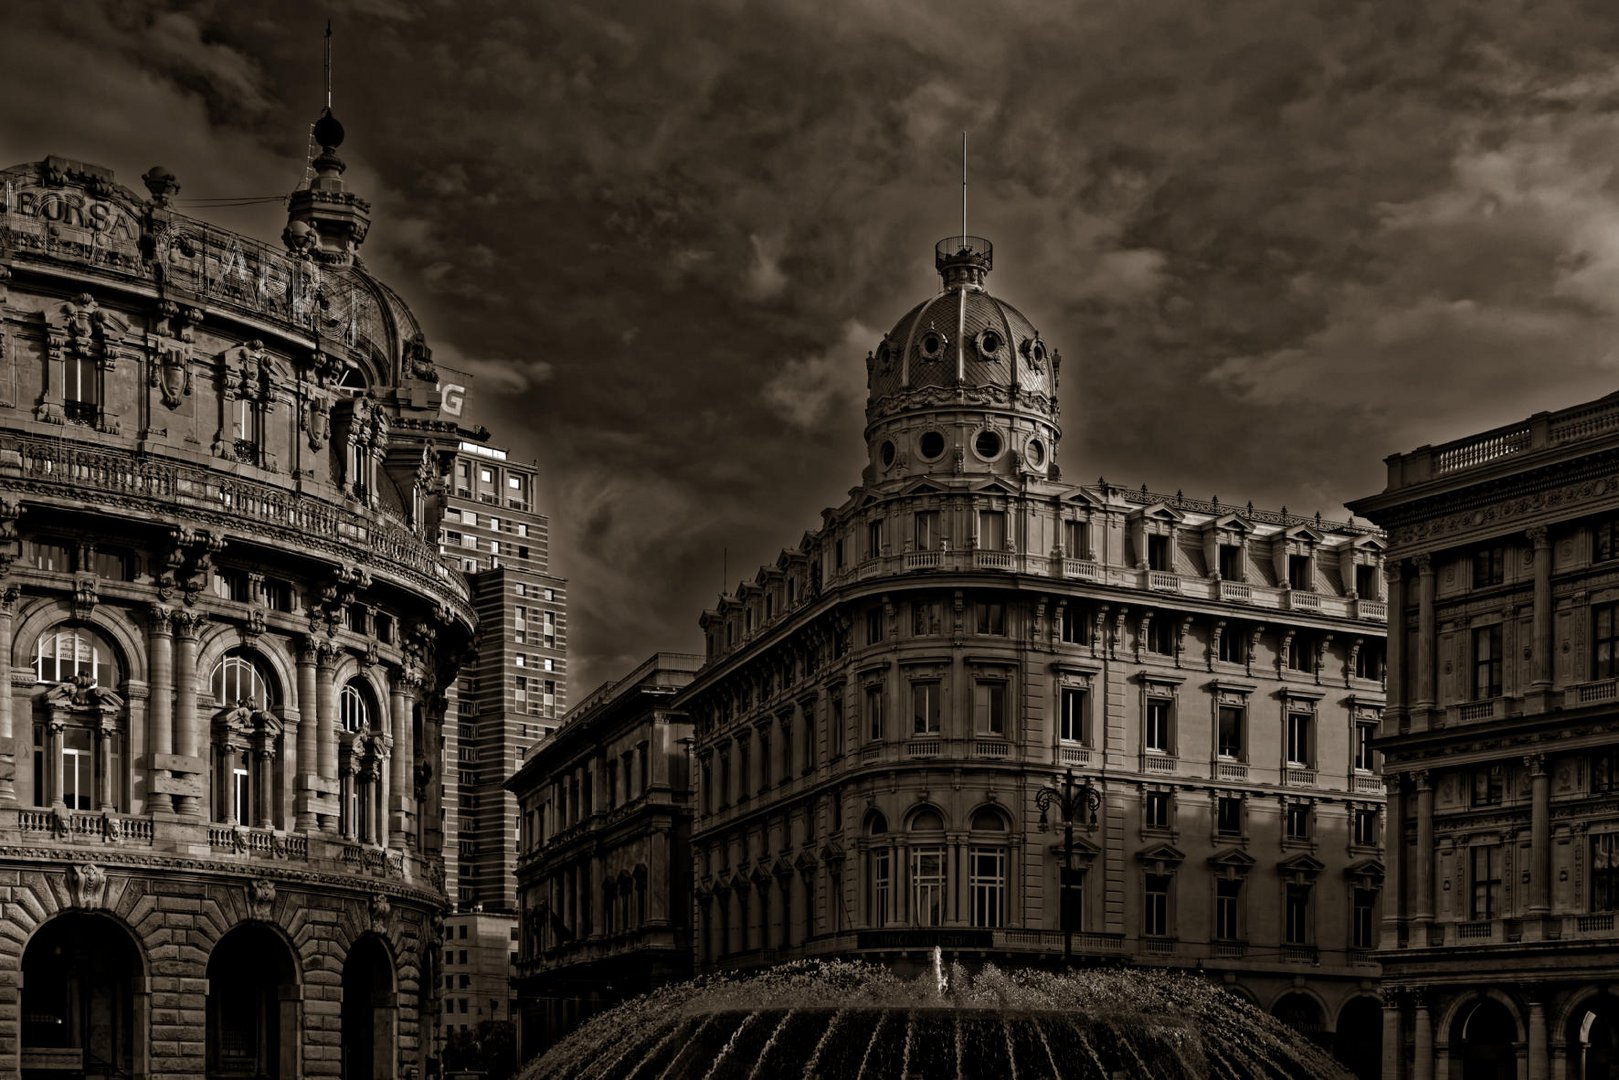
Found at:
(328, 65)
(963, 183)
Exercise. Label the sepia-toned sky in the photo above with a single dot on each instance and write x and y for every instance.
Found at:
(1275, 240)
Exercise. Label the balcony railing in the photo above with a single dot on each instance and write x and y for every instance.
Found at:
(1367, 784)
(1302, 600)
(1155, 946)
(922, 748)
(1592, 692)
(1230, 950)
(81, 412)
(1157, 763)
(993, 560)
(1163, 581)
(259, 843)
(1372, 610)
(1301, 954)
(1081, 568)
(1240, 591)
(1488, 709)
(1074, 755)
(108, 827)
(991, 748)
(1230, 770)
(102, 471)
(1296, 776)
(922, 560)
(1594, 924)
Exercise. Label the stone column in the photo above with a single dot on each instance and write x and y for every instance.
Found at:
(1422, 902)
(53, 755)
(1422, 1025)
(1541, 665)
(187, 731)
(8, 733)
(160, 706)
(1540, 835)
(400, 766)
(104, 735)
(308, 746)
(1394, 850)
(1537, 1040)
(286, 768)
(264, 787)
(1393, 1055)
(379, 791)
(1394, 573)
(326, 733)
(1426, 636)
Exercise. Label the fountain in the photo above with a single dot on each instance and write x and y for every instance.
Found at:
(843, 1020)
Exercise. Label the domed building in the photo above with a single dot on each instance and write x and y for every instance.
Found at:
(227, 637)
(1023, 720)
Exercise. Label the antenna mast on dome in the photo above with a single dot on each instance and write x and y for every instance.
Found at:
(328, 65)
(964, 187)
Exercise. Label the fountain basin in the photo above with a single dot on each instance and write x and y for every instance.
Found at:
(850, 1021)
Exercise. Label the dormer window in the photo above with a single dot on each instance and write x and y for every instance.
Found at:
(1301, 572)
(1366, 576)
(1158, 553)
(1231, 562)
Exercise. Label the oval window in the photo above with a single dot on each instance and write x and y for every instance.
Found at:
(988, 445)
(1037, 453)
(932, 344)
(931, 445)
(989, 343)
(886, 452)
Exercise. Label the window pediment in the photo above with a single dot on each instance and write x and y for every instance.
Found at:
(1366, 874)
(1232, 862)
(1300, 869)
(1162, 858)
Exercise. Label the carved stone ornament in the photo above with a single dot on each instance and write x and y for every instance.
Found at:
(89, 885)
(260, 898)
(381, 911)
(171, 375)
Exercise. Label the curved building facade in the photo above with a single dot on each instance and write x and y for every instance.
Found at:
(1196, 686)
(226, 637)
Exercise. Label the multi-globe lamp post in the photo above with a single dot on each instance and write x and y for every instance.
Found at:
(1072, 800)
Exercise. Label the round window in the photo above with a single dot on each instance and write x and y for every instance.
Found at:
(987, 445)
(989, 343)
(886, 452)
(932, 345)
(931, 445)
(1037, 454)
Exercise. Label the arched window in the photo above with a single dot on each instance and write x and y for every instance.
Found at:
(987, 865)
(354, 710)
(80, 726)
(238, 679)
(879, 873)
(929, 871)
(69, 651)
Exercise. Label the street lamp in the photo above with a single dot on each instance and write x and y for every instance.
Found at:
(1072, 800)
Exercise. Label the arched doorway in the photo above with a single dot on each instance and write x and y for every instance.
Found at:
(254, 1008)
(1303, 1014)
(1482, 1042)
(84, 1007)
(369, 1011)
(1593, 1040)
(1358, 1042)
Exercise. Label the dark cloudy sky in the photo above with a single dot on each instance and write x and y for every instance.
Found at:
(1274, 239)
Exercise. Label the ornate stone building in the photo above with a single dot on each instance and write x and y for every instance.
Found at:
(1501, 745)
(604, 878)
(225, 638)
(880, 708)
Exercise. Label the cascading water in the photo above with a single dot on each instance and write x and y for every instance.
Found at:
(840, 1020)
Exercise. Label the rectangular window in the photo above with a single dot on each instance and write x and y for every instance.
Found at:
(1227, 905)
(1155, 810)
(1369, 660)
(1365, 756)
(1073, 714)
(927, 886)
(874, 713)
(1298, 739)
(989, 708)
(1161, 635)
(986, 885)
(1361, 921)
(1076, 627)
(1366, 581)
(834, 721)
(1604, 641)
(925, 529)
(1158, 553)
(1605, 771)
(1298, 821)
(992, 530)
(1605, 540)
(837, 553)
(874, 539)
(1489, 566)
(1486, 662)
(992, 619)
(1486, 872)
(1072, 905)
(879, 911)
(925, 708)
(1489, 785)
(1158, 738)
(45, 555)
(1605, 872)
(1155, 913)
(1297, 915)
(112, 565)
(874, 625)
(1231, 562)
(1301, 572)
(925, 617)
(1233, 645)
(1366, 828)
(1301, 653)
(1074, 541)
(1231, 731)
(1228, 816)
